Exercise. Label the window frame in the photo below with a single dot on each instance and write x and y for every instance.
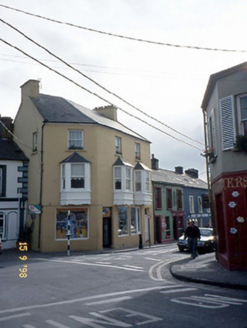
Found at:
(239, 115)
(191, 204)
(126, 219)
(179, 199)
(137, 151)
(75, 177)
(158, 198)
(136, 219)
(3, 177)
(118, 145)
(199, 204)
(79, 140)
(3, 229)
(35, 141)
(124, 179)
(66, 176)
(168, 198)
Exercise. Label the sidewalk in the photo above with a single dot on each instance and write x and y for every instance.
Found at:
(206, 270)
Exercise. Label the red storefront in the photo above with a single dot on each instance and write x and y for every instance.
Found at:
(229, 193)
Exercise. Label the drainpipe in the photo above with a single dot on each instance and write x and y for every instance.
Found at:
(41, 183)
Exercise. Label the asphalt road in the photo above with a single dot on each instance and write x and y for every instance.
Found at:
(123, 289)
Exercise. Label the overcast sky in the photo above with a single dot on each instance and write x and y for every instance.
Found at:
(165, 82)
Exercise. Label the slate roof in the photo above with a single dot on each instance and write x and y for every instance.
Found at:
(75, 158)
(172, 178)
(10, 151)
(59, 110)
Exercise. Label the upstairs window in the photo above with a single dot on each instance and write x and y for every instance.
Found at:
(191, 203)
(137, 151)
(2, 180)
(138, 181)
(77, 179)
(75, 139)
(158, 198)
(199, 199)
(118, 145)
(122, 178)
(179, 199)
(169, 198)
(242, 114)
(35, 141)
(147, 181)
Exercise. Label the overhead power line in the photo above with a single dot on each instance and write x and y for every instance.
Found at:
(99, 85)
(123, 36)
(96, 95)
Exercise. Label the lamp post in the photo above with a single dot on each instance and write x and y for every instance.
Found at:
(68, 234)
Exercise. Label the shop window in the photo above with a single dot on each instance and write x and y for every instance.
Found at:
(75, 139)
(78, 223)
(123, 221)
(135, 220)
(2, 226)
(168, 228)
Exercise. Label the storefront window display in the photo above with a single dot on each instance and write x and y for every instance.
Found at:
(135, 220)
(78, 223)
(123, 221)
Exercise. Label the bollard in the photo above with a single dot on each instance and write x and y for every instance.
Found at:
(140, 241)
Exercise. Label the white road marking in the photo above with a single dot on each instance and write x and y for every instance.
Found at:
(28, 326)
(83, 299)
(91, 264)
(159, 266)
(151, 259)
(132, 266)
(15, 316)
(112, 300)
(56, 324)
(177, 290)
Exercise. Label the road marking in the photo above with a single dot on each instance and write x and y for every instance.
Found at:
(91, 264)
(83, 299)
(28, 326)
(15, 316)
(56, 324)
(151, 259)
(132, 266)
(177, 290)
(159, 266)
(112, 300)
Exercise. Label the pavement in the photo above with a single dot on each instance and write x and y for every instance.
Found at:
(204, 269)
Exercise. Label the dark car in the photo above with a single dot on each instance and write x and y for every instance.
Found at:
(205, 244)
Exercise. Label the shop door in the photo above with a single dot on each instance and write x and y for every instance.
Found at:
(157, 230)
(107, 241)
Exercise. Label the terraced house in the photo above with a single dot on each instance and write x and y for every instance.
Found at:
(85, 165)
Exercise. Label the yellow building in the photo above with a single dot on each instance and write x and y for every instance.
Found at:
(86, 164)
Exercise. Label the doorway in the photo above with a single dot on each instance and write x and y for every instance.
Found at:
(107, 227)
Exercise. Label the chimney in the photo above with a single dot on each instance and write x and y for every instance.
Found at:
(108, 111)
(30, 89)
(5, 126)
(154, 163)
(193, 173)
(179, 170)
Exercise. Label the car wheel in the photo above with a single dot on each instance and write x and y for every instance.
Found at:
(181, 248)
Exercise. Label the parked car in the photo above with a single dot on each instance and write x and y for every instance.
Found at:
(205, 244)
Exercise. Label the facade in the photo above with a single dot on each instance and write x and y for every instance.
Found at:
(85, 169)
(13, 186)
(176, 199)
(225, 115)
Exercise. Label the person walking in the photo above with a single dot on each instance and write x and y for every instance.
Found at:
(193, 233)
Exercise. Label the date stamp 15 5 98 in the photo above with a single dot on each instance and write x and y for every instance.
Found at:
(23, 247)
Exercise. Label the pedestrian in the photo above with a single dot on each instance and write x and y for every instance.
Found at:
(193, 233)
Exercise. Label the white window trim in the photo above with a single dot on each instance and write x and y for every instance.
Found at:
(3, 217)
(227, 119)
(118, 145)
(124, 178)
(137, 151)
(81, 139)
(191, 204)
(199, 202)
(240, 125)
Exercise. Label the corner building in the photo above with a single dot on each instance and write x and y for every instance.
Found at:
(85, 162)
(225, 116)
